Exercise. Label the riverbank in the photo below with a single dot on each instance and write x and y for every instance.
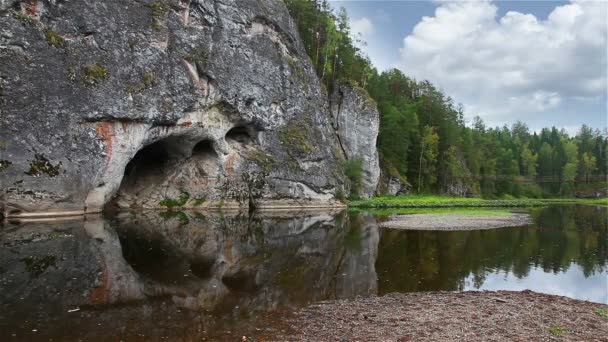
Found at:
(451, 316)
(457, 221)
(421, 201)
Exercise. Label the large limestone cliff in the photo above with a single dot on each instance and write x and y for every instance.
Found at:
(356, 121)
(150, 104)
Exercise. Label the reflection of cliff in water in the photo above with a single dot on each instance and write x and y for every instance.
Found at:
(230, 265)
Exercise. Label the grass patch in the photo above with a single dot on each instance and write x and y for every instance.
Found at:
(172, 203)
(602, 312)
(557, 331)
(422, 201)
(472, 211)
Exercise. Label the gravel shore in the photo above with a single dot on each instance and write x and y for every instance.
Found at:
(450, 316)
(456, 221)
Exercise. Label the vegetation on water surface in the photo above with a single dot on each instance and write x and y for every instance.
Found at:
(417, 201)
(180, 215)
(425, 139)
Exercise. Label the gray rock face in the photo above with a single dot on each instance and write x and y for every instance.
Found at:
(391, 184)
(357, 122)
(175, 102)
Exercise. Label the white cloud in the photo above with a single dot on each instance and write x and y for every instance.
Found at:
(516, 63)
(361, 28)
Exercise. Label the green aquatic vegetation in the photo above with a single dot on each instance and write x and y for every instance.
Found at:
(54, 39)
(37, 265)
(41, 165)
(180, 215)
(200, 216)
(171, 202)
(94, 74)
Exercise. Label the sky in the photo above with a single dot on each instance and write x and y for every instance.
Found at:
(542, 62)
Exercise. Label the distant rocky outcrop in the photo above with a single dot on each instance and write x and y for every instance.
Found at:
(357, 121)
(168, 103)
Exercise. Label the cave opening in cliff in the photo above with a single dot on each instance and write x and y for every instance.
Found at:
(204, 149)
(143, 173)
(240, 135)
(147, 163)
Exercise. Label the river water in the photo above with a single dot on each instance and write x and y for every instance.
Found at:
(194, 275)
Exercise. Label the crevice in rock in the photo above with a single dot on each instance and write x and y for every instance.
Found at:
(337, 123)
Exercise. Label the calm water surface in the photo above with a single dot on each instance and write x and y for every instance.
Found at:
(184, 276)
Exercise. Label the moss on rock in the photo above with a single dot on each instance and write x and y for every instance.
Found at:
(41, 165)
(54, 39)
(94, 74)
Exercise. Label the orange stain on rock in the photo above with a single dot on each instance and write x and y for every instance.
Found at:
(104, 130)
(187, 124)
(230, 165)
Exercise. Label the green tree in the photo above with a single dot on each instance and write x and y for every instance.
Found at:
(589, 165)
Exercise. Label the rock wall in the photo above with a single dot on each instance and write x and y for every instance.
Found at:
(356, 121)
(194, 103)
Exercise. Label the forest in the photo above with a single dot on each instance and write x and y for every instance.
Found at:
(424, 139)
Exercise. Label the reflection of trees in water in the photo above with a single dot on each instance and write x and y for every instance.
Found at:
(432, 260)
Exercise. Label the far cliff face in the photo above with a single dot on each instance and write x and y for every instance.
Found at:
(357, 121)
(160, 104)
